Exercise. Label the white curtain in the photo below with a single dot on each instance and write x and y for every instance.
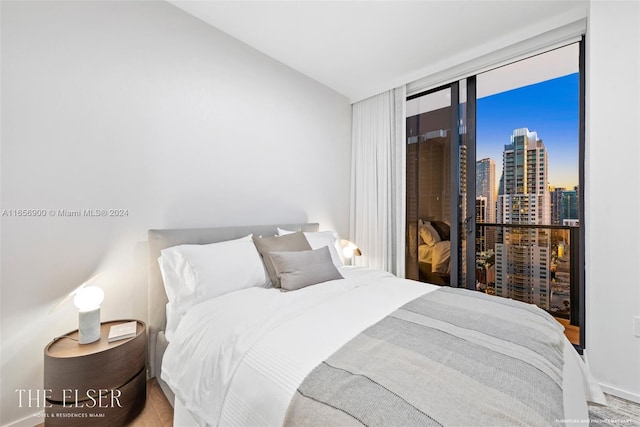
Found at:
(378, 180)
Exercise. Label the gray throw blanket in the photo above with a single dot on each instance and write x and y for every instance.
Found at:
(451, 357)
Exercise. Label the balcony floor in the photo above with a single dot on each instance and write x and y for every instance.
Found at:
(570, 331)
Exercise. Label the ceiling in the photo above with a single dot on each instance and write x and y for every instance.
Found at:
(362, 48)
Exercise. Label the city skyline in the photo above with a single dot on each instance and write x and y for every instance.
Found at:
(549, 108)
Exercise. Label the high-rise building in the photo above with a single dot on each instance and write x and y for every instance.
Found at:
(465, 211)
(481, 232)
(556, 205)
(570, 204)
(564, 205)
(486, 187)
(523, 255)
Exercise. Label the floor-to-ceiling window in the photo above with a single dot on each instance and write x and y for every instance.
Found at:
(514, 167)
(429, 175)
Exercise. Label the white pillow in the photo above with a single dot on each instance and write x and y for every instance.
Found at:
(172, 281)
(172, 285)
(428, 234)
(320, 239)
(202, 272)
(173, 320)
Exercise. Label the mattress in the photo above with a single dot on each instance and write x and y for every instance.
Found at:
(425, 253)
(437, 255)
(251, 378)
(161, 346)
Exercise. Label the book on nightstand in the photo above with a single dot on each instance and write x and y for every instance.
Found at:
(123, 331)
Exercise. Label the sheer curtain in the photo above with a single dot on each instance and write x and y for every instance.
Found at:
(378, 180)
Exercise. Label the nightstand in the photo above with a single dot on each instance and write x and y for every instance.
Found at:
(97, 384)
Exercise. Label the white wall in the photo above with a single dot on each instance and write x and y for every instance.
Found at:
(612, 195)
(139, 106)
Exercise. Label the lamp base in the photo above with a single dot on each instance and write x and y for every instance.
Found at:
(88, 326)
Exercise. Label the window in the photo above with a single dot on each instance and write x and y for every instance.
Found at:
(513, 149)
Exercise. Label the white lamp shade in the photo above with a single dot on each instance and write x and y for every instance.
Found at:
(349, 249)
(347, 252)
(88, 298)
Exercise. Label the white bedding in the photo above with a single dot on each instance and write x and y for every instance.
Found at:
(262, 342)
(425, 253)
(437, 255)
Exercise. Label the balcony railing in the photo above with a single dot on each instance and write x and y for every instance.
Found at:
(536, 264)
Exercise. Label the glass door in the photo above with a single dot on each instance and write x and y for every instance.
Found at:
(432, 161)
(467, 184)
(495, 174)
(528, 183)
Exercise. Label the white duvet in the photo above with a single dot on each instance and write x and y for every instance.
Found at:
(437, 255)
(278, 336)
(238, 359)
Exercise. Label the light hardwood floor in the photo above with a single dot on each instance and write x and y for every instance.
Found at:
(570, 331)
(157, 412)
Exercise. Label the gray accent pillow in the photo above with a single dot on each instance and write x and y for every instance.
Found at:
(296, 270)
(290, 242)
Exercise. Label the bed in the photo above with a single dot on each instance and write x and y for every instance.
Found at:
(253, 356)
(434, 252)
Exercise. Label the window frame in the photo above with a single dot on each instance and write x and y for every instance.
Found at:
(458, 226)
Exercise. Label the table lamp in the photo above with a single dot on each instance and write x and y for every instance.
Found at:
(349, 250)
(87, 299)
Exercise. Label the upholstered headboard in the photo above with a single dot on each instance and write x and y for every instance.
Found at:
(162, 239)
(443, 229)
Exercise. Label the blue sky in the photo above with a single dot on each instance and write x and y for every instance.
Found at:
(549, 108)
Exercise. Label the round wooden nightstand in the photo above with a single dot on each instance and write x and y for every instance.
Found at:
(98, 384)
